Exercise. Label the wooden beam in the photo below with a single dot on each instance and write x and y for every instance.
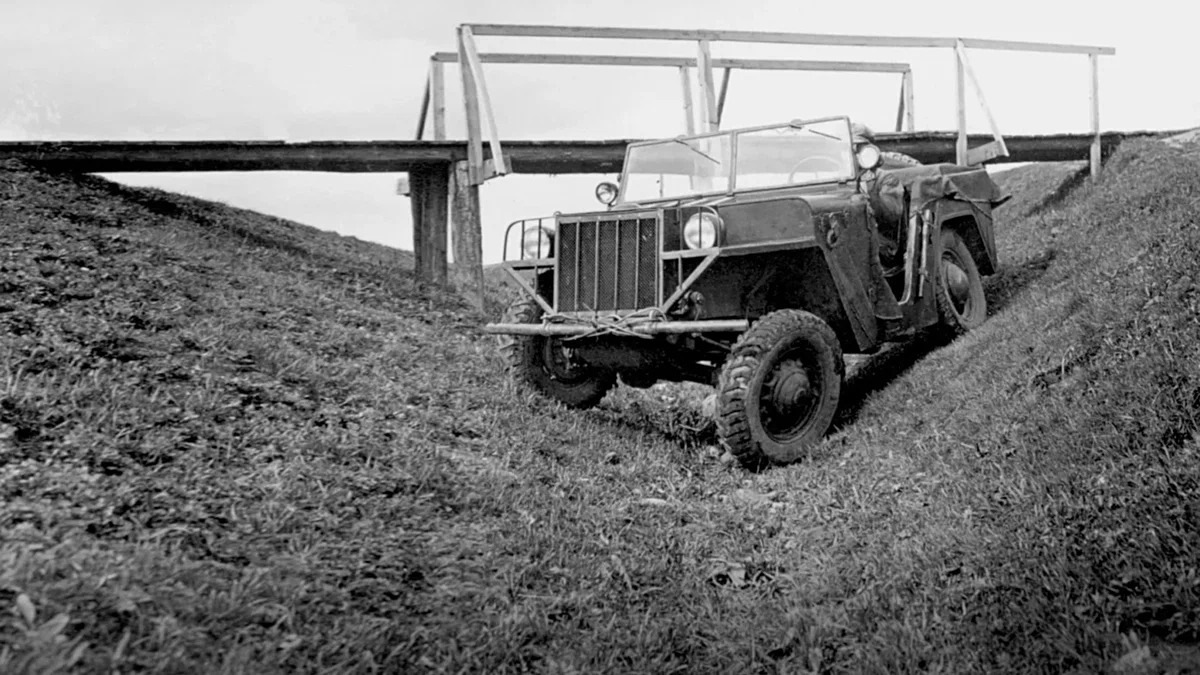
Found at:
(437, 87)
(1050, 47)
(986, 152)
(498, 166)
(429, 193)
(910, 118)
(987, 111)
(708, 99)
(424, 109)
(467, 231)
(960, 96)
(471, 107)
(517, 30)
(679, 61)
(525, 156)
(514, 30)
(900, 109)
(685, 82)
(721, 98)
(1094, 101)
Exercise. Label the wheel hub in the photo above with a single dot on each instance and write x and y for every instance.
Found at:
(957, 282)
(559, 361)
(790, 388)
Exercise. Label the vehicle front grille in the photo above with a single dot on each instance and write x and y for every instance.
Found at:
(608, 263)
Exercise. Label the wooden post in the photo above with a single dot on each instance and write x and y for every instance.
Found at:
(471, 105)
(473, 62)
(909, 116)
(900, 109)
(708, 99)
(960, 89)
(1094, 155)
(685, 81)
(429, 193)
(468, 235)
(997, 148)
(437, 89)
(724, 90)
(424, 108)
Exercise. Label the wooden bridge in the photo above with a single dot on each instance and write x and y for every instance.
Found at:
(444, 174)
(536, 157)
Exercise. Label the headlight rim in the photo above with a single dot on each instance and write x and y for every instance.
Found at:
(699, 218)
(610, 188)
(543, 244)
(868, 149)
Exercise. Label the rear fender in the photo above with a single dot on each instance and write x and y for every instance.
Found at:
(974, 224)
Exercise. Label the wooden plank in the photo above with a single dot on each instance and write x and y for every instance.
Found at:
(679, 61)
(1094, 104)
(960, 97)
(471, 106)
(708, 99)
(467, 231)
(1051, 47)
(424, 110)
(437, 86)
(910, 118)
(721, 98)
(525, 156)
(685, 82)
(987, 111)
(429, 188)
(985, 152)
(518, 30)
(498, 165)
(818, 66)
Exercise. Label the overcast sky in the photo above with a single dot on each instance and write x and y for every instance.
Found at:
(354, 69)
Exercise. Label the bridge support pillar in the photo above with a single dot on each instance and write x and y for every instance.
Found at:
(467, 231)
(429, 191)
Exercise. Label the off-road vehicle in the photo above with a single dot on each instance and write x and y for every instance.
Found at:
(749, 259)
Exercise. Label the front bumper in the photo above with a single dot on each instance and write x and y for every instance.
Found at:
(646, 327)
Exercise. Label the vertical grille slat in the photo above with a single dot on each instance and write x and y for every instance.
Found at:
(608, 265)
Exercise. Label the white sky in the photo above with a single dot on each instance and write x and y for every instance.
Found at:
(354, 69)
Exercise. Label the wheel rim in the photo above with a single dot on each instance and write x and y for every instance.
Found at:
(558, 363)
(790, 395)
(957, 282)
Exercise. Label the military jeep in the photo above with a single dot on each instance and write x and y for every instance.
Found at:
(751, 260)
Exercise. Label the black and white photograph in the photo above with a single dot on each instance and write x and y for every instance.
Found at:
(582, 336)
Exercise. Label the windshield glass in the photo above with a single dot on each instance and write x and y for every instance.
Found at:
(677, 168)
(795, 154)
(786, 154)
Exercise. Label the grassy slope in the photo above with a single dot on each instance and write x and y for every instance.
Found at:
(232, 443)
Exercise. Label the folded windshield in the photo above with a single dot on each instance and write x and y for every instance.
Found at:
(780, 155)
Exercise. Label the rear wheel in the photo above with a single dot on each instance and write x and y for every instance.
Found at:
(962, 306)
(779, 389)
(545, 365)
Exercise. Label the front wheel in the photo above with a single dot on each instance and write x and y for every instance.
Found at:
(779, 389)
(546, 366)
(961, 304)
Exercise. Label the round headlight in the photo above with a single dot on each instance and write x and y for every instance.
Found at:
(606, 192)
(538, 242)
(868, 156)
(702, 230)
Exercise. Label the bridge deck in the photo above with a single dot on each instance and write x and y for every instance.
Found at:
(525, 156)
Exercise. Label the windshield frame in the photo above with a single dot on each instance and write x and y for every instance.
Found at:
(733, 135)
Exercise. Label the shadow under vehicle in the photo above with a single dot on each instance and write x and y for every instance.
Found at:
(752, 260)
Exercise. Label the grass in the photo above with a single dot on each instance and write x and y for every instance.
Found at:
(230, 443)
